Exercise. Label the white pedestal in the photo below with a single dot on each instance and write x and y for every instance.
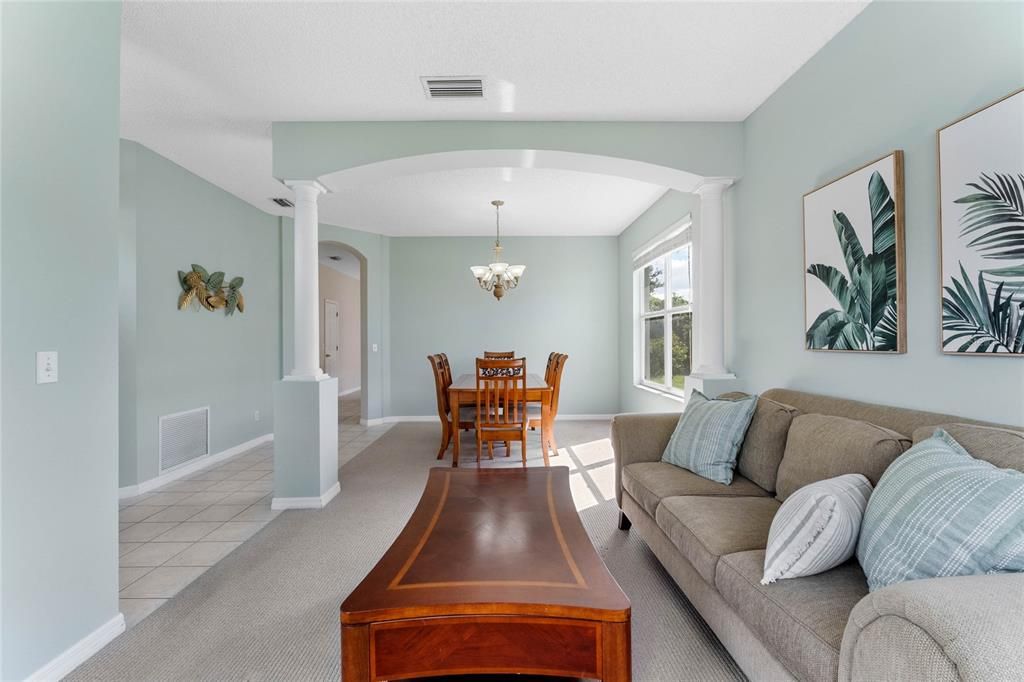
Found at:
(305, 443)
(711, 385)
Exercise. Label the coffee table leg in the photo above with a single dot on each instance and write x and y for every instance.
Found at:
(355, 653)
(617, 664)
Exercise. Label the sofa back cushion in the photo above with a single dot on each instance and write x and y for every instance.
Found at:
(823, 446)
(1002, 447)
(765, 442)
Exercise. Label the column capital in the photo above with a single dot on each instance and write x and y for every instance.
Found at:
(712, 184)
(306, 189)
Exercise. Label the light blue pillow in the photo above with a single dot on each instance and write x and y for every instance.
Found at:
(709, 434)
(937, 511)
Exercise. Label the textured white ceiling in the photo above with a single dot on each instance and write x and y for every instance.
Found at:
(348, 263)
(201, 82)
(537, 202)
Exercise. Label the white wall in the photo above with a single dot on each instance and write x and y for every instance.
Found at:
(343, 290)
(566, 302)
(897, 73)
(58, 292)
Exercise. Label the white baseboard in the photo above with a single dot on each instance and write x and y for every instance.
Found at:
(342, 394)
(434, 418)
(191, 467)
(584, 417)
(306, 502)
(79, 652)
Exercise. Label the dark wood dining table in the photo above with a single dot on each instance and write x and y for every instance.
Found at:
(463, 392)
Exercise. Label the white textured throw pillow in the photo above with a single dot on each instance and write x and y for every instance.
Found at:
(816, 528)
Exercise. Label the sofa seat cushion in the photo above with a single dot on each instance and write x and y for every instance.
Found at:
(801, 621)
(649, 482)
(821, 446)
(706, 528)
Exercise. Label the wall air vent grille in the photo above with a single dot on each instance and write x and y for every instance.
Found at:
(454, 87)
(184, 436)
(282, 202)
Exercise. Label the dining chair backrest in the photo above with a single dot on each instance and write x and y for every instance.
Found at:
(447, 370)
(501, 392)
(441, 384)
(499, 355)
(553, 378)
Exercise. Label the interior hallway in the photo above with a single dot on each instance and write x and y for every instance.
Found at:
(174, 534)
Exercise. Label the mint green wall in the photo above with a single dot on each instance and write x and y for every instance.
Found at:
(664, 213)
(194, 358)
(58, 291)
(310, 150)
(566, 301)
(373, 248)
(889, 80)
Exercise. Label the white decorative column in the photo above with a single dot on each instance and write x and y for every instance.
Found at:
(709, 311)
(306, 401)
(307, 279)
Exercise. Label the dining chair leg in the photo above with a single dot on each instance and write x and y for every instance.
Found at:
(508, 448)
(522, 447)
(446, 438)
(478, 445)
(554, 445)
(490, 449)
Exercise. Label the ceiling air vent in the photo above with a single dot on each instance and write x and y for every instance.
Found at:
(282, 202)
(453, 87)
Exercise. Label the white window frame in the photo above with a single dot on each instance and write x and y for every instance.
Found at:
(641, 315)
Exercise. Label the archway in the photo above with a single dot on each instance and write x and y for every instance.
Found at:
(339, 264)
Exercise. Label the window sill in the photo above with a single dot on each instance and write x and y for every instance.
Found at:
(671, 395)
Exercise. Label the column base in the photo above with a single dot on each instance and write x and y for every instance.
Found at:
(305, 443)
(281, 503)
(710, 385)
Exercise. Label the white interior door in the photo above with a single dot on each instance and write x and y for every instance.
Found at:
(332, 328)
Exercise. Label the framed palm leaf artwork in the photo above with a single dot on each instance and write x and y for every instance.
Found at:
(981, 230)
(854, 285)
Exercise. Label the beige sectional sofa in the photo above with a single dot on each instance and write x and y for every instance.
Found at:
(711, 538)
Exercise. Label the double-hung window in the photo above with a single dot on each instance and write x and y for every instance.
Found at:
(663, 281)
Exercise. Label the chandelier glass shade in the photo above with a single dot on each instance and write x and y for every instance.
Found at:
(499, 276)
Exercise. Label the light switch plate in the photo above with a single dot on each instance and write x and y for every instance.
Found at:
(46, 367)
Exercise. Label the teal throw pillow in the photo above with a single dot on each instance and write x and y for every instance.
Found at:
(937, 511)
(708, 436)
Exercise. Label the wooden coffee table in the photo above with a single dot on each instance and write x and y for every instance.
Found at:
(493, 573)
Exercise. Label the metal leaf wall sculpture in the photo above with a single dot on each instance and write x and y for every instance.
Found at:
(210, 291)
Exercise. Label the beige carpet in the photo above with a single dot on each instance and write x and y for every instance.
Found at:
(269, 611)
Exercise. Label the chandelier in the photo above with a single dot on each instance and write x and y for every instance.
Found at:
(498, 277)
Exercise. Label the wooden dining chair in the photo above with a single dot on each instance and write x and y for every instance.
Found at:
(442, 381)
(553, 378)
(500, 403)
(499, 355)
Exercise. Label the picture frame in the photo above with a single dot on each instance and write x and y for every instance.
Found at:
(855, 297)
(980, 161)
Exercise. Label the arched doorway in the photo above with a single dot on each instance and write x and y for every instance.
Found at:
(343, 337)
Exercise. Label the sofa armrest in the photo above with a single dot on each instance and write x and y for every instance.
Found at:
(639, 438)
(960, 628)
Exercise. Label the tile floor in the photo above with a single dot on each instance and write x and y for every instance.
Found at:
(170, 536)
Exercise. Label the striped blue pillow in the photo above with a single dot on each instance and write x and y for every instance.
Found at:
(709, 434)
(937, 511)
